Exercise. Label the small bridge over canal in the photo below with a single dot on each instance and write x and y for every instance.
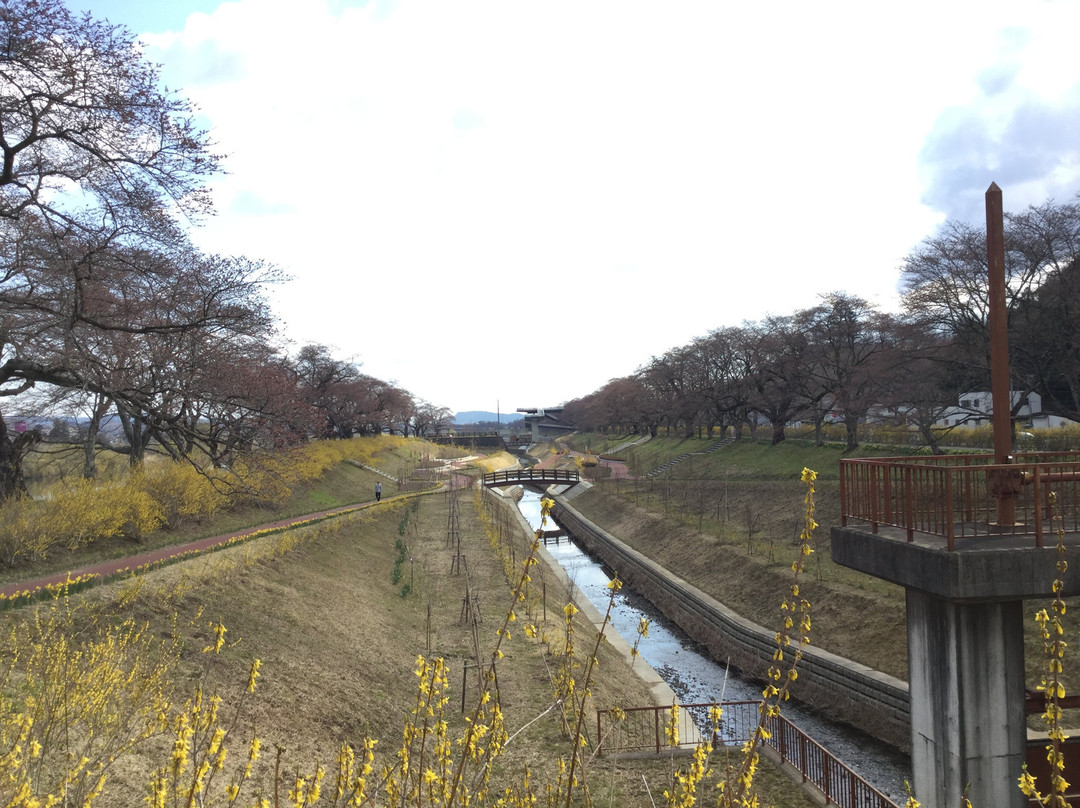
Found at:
(533, 476)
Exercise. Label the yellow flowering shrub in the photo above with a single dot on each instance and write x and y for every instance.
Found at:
(73, 516)
(181, 491)
(73, 702)
(367, 449)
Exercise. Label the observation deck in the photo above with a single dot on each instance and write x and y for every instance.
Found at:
(932, 523)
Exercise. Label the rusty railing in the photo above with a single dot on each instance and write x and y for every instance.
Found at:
(956, 496)
(644, 730)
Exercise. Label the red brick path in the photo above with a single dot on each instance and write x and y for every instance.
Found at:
(115, 565)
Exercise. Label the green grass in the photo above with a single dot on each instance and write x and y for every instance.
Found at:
(596, 442)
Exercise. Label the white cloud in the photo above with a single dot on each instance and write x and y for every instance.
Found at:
(437, 174)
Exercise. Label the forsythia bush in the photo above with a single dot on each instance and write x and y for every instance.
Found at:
(181, 491)
(270, 479)
(74, 517)
(160, 493)
(72, 703)
(365, 450)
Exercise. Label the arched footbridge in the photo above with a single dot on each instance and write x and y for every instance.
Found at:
(534, 476)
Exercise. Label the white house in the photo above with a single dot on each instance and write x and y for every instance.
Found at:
(977, 409)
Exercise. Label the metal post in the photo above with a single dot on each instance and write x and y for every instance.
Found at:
(909, 515)
(999, 347)
(1036, 496)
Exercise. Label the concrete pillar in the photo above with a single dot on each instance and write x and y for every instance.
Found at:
(966, 677)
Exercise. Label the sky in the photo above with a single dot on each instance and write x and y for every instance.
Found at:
(501, 204)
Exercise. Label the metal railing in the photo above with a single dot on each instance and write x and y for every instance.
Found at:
(645, 729)
(956, 496)
(533, 475)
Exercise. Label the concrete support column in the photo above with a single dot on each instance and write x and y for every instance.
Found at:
(966, 678)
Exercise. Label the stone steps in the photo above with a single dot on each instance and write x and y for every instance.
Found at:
(720, 444)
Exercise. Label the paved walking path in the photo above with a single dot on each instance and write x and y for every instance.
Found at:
(111, 567)
(619, 470)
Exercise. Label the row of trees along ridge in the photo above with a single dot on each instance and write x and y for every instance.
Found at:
(108, 310)
(845, 359)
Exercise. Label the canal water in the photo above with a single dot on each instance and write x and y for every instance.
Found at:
(695, 677)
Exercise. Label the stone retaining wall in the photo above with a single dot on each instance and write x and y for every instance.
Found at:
(844, 690)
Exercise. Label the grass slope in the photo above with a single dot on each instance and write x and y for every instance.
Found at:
(728, 522)
(338, 642)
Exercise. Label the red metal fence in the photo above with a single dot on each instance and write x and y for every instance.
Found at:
(956, 496)
(644, 729)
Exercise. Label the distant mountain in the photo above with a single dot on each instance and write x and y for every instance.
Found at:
(480, 416)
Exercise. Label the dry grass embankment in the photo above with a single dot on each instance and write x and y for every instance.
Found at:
(338, 641)
(727, 522)
(863, 623)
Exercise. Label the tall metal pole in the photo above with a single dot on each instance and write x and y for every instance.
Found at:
(999, 345)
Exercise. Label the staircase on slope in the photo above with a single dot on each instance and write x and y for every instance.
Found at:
(720, 444)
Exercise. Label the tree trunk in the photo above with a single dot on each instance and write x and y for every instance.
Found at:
(778, 435)
(90, 450)
(97, 413)
(12, 452)
(852, 425)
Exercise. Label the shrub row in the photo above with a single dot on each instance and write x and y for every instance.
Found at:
(157, 494)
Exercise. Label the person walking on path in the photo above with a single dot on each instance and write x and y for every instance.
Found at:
(378, 491)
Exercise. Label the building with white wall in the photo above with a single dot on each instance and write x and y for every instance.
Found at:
(977, 409)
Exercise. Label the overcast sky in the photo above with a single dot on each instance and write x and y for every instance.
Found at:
(508, 203)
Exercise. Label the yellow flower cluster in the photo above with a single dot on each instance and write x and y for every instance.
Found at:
(158, 493)
(1051, 627)
(48, 591)
(736, 789)
(73, 702)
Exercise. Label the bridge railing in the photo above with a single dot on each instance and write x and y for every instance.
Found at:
(644, 730)
(955, 496)
(535, 476)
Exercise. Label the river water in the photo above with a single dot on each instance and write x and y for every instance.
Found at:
(695, 677)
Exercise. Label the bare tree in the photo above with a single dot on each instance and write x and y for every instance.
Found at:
(80, 105)
(726, 372)
(946, 282)
(850, 344)
(97, 163)
(677, 381)
(779, 365)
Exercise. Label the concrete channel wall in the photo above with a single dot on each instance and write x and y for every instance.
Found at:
(844, 690)
(661, 692)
